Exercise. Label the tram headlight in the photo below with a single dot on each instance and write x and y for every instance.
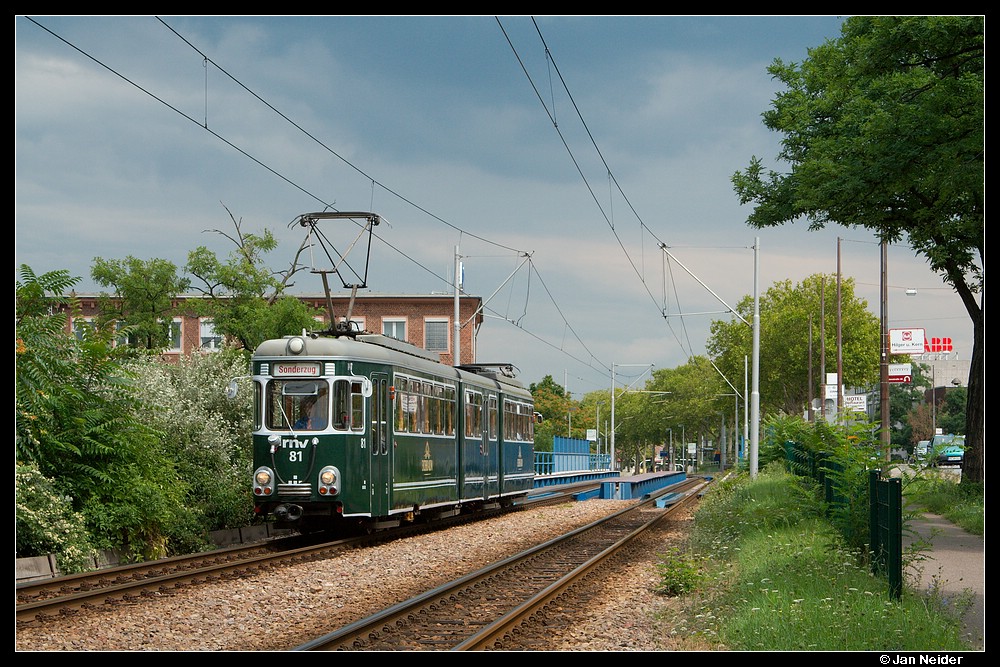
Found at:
(263, 481)
(329, 481)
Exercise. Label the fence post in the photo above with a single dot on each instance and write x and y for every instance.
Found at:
(894, 488)
(885, 529)
(874, 528)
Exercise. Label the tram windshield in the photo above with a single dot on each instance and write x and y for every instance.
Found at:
(307, 405)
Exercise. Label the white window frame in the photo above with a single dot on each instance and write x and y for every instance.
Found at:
(447, 333)
(395, 322)
(177, 324)
(212, 346)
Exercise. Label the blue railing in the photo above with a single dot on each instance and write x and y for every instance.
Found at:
(551, 463)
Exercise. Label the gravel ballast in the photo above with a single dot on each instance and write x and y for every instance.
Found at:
(283, 608)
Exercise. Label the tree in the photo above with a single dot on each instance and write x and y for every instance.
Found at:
(553, 404)
(905, 422)
(921, 424)
(246, 299)
(786, 312)
(78, 423)
(951, 418)
(884, 129)
(687, 399)
(143, 298)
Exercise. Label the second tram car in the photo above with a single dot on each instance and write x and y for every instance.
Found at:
(367, 431)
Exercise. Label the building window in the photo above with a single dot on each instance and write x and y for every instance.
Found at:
(436, 335)
(175, 335)
(210, 340)
(82, 326)
(394, 329)
(120, 337)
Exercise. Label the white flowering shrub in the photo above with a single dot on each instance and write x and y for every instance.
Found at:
(206, 434)
(45, 522)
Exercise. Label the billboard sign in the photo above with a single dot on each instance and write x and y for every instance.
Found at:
(906, 341)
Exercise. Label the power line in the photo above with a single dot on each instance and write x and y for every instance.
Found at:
(642, 225)
(326, 205)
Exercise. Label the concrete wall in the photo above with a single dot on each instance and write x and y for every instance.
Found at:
(45, 567)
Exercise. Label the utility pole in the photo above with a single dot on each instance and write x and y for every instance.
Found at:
(884, 370)
(755, 395)
(456, 344)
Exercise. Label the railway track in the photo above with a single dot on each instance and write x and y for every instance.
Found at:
(139, 581)
(485, 609)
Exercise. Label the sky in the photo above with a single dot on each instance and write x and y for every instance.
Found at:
(580, 166)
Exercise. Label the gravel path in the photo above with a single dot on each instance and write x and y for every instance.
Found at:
(282, 609)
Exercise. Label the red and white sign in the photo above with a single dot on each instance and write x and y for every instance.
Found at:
(290, 369)
(906, 341)
(901, 373)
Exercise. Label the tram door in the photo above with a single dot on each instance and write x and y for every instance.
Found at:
(381, 446)
(491, 465)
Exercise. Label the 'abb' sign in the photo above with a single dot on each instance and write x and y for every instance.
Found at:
(937, 345)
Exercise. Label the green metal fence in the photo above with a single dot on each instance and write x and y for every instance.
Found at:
(886, 527)
(885, 509)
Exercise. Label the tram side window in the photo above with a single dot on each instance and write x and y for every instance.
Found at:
(437, 407)
(406, 407)
(257, 412)
(518, 421)
(341, 405)
(493, 417)
(473, 414)
(449, 411)
(423, 390)
(425, 407)
(357, 407)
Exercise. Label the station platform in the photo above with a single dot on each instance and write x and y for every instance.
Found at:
(633, 487)
(612, 484)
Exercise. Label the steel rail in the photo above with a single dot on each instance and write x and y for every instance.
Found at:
(373, 625)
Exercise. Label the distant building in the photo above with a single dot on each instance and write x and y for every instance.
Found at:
(945, 370)
(427, 321)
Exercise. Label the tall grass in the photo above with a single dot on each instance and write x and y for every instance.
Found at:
(783, 579)
(962, 504)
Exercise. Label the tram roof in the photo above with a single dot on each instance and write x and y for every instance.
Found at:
(380, 349)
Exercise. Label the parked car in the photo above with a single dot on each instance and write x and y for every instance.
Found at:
(952, 455)
(948, 450)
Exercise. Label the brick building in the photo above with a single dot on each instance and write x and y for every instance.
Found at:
(427, 321)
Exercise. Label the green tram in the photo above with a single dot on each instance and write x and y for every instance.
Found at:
(369, 432)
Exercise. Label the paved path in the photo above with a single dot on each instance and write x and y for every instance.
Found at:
(956, 564)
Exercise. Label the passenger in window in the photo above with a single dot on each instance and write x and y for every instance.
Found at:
(307, 406)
